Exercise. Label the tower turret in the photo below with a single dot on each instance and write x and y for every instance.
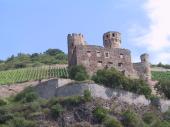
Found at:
(73, 40)
(147, 69)
(112, 40)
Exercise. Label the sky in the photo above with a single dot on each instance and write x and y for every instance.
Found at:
(29, 26)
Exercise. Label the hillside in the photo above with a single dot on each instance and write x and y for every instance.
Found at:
(27, 109)
(23, 60)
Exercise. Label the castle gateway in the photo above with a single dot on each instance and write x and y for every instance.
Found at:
(94, 57)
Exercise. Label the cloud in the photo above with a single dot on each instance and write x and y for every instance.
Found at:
(156, 37)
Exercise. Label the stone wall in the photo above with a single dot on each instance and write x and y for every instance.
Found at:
(97, 57)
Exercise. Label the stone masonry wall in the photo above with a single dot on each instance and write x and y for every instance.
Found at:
(96, 57)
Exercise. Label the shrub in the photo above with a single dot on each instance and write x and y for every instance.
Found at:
(87, 95)
(28, 95)
(4, 115)
(100, 114)
(56, 110)
(114, 79)
(2, 102)
(112, 122)
(78, 73)
(150, 118)
(21, 122)
(131, 119)
(166, 115)
(72, 101)
(163, 86)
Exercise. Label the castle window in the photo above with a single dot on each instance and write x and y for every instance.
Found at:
(107, 36)
(121, 56)
(98, 54)
(110, 63)
(88, 53)
(106, 55)
(113, 35)
(120, 64)
(99, 63)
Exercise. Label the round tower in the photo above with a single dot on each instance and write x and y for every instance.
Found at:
(144, 58)
(73, 40)
(147, 69)
(112, 40)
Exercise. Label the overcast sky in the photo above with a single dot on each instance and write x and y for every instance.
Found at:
(35, 25)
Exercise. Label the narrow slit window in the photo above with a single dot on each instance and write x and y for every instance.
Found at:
(120, 64)
(121, 56)
(107, 55)
(99, 63)
(88, 53)
(98, 54)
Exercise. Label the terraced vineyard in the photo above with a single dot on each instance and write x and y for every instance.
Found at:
(32, 74)
(157, 75)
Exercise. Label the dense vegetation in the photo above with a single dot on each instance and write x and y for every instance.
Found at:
(78, 73)
(114, 79)
(157, 75)
(22, 60)
(30, 74)
(163, 87)
(27, 109)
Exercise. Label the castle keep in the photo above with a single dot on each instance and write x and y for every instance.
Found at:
(94, 57)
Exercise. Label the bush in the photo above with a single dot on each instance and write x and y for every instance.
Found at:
(28, 95)
(114, 79)
(72, 101)
(78, 73)
(100, 114)
(87, 95)
(2, 102)
(5, 115)
(166, 115)
(112, 122)
(131, 119)
(56, 110)
(21, 122)
(163, 86)
(150, 119)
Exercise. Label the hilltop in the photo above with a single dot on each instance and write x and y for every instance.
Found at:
(23, 60)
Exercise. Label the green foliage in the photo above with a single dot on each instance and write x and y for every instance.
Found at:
(166, 115)
(28, 95)
(131, 119)
(2, 102)
(166, 66)
(21, 122)
(56, 110)
(163, 86)
(51, 56)
(35, 73)
(72, 101)
(157, 75)
(100, 113)
(151, 119)
(87, 95)
(4, 115)
(78, 73)
(112, 122)
(114, 79)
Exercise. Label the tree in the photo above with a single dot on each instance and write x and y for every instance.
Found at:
(53, 52)
(78, 73)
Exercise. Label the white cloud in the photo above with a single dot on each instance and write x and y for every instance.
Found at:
(156, 37)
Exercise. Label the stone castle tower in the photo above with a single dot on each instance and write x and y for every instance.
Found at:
(112, 40)
(94, 57)
(74, 40)
(147, 69)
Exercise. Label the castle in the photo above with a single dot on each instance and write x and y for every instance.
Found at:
(94, 57)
